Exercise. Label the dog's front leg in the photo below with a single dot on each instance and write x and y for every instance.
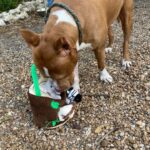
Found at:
(76, 85)
(100, 56)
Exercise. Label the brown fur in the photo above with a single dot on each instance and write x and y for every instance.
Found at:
(55, 48)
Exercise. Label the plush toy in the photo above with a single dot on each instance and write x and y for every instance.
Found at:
(51, 108)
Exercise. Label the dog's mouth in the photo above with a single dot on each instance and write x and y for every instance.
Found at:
(58, 90)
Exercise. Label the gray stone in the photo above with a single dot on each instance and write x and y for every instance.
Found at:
(2, 23)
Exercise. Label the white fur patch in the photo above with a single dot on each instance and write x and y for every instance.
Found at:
(76, 79)
(63, 16)
(105, 76)
(126, 64)
(64, 111)
(46, 71)
(108, 49)
(83, 46)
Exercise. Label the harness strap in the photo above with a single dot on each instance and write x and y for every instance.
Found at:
(70, 11)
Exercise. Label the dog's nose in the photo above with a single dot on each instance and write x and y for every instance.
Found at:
(64, 85)
(63, 88)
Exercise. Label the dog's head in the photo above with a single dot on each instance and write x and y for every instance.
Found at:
(54, 52)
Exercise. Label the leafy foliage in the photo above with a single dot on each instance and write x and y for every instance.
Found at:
(6, 5)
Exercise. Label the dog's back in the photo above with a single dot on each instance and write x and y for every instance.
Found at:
(94, 9)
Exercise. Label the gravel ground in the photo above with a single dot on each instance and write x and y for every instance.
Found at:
(111, 116)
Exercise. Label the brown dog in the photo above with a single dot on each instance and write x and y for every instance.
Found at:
(55, 50)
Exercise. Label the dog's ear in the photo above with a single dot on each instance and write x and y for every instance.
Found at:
(32, 39)
(62, 46)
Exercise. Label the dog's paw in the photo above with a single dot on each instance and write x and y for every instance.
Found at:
(105, 76)
(126, 64)
(108, 49)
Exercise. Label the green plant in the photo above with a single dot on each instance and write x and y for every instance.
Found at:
(6, 5)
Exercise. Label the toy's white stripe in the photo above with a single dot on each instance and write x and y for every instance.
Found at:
(63, 16)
